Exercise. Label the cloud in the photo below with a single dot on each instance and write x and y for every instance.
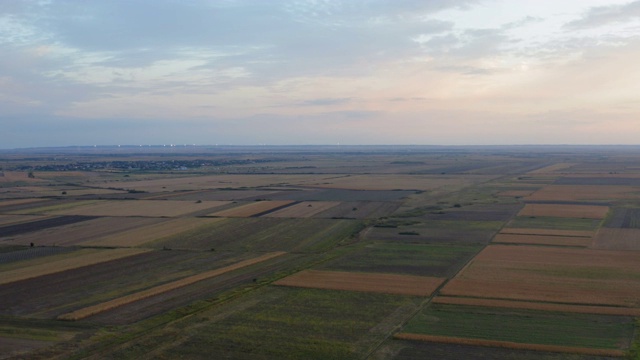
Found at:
(324, 102)
(604, 15)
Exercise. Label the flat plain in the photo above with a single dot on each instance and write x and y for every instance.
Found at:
(320, 252)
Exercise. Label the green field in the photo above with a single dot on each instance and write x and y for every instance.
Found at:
(282, 323)
(524, 326)
(414, 259)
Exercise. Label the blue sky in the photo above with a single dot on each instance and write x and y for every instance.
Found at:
(79, 72)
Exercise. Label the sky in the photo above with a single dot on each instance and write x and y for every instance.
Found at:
(247, 72)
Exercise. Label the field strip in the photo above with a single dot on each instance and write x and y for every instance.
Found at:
(80, 259)
(552, 168)
(145, 234)
(548, 232)
(562, 210)
(251, 209)
(510, 345)
(21, 201)
(541, 240)
(511, 304)
(304, 209)
(365, 282)
(98, 308)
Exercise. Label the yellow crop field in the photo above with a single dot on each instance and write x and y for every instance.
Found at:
(304, 209)
(251, 208)
(55, 264)
(150, 208)
(366, 282)
(569, 211)
(144, 234)
(98, 308)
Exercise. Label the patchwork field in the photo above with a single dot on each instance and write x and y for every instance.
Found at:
(560, 275)
(367, 282)
(381, 253)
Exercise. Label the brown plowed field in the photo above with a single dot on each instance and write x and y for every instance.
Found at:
(98, 308)
(17, 219)
(509, 345)
(583, 309)
(144, 234)
(542, 240)
(548, 232)
(251, 209)
(570, 211)
(585, 192)
(617, 239)
(304, 209)
(80, 232)
(366, 282)
(551, 274)
(54, 264)
(147, 208)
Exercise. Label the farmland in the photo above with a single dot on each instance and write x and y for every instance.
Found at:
(320, 252)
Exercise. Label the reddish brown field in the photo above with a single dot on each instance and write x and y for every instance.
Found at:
(542, 240)
(509, 345)
(585, 192)
(304, 209)
(548, 232)
(617, 239)
(569, 211)
(366, 282)
(251, 209)
(584, 309)
(551, 274)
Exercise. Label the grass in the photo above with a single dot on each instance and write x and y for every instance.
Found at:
(542, 222)
(524, 326)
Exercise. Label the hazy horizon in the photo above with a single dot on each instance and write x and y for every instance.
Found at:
(355, 72)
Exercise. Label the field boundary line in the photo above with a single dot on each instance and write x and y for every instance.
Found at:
(530, 305)
(157, 290)
(510, 345)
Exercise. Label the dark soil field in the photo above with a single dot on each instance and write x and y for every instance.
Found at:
(359, 210)
(400, 258)
(623, 218)
(615, 181)
(17, 229)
